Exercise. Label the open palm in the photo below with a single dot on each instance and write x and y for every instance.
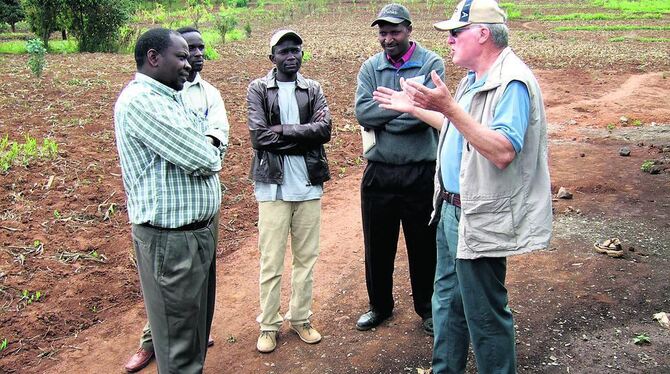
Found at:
(393, 100)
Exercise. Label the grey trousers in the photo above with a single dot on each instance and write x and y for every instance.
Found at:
(178, 277)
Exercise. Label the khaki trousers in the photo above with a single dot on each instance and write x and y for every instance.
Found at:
(276, 220)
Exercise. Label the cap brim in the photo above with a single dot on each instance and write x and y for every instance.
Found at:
(395, 20)
(450, 25)
(279, 37)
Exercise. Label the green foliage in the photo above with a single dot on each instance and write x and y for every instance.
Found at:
(3, 345)
(197, 9)
(44, 16)
(210, 53)
(12, 153)
(29, 297)
(225, 22)
(596, 16)
(646, 166)
(37, 61)
(306, 56)
(612, 28)
(641, 339)
(247, 29)
(512, 10)
(237, 3)
(56, 46)
(11, 12)
(97, 23)
(660, 6)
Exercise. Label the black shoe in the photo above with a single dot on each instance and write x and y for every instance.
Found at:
(371, 319)
(428, 326)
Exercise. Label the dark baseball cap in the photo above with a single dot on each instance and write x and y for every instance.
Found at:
(393, 13)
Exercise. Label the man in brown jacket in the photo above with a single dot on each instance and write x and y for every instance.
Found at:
(288, 122)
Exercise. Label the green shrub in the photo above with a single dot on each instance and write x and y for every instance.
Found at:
(97, 23)
(225, 22)
(210, 53)
(646, 166)
(11, 12)
(37, 61)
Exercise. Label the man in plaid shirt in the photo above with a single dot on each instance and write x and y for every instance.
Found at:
(170, 175)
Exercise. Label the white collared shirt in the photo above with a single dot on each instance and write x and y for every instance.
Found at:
(205, 99)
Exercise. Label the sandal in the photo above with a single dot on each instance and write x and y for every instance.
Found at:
(611, 247)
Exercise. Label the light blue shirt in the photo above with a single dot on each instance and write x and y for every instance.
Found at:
(510, 119)
(296, 185)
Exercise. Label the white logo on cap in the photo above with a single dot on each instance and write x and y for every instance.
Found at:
(464, 15)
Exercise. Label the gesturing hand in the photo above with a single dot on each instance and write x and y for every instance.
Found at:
(393, 100)
(436, 99)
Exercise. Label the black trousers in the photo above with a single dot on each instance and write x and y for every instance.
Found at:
(392, 195)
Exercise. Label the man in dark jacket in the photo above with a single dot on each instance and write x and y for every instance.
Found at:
(288, 122)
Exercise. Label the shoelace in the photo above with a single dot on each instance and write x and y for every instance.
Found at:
(266, 334)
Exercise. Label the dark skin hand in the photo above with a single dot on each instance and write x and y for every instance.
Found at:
(318, 116)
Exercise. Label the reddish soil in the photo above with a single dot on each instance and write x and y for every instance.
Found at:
(576, 311)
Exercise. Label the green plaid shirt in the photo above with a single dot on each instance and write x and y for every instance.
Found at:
(170, 169)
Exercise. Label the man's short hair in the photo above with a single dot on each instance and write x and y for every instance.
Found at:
(499, 34)
(157, 39)
(187, 29)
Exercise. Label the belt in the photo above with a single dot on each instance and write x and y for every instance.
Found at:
(190, 227)
(452, 198)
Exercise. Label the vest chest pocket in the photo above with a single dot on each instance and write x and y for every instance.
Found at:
(488, 225)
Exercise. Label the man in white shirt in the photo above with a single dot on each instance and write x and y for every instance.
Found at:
(203, 98)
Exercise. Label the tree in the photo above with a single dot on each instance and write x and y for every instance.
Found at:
(11, 12)
(43, 16)
(96, 23)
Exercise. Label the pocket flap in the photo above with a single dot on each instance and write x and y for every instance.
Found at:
(486, 206)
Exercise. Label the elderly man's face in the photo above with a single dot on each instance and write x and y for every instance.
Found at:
(394, 38)
(173, 67)
(465, 45)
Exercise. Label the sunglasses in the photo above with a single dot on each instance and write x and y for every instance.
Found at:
(456, 32)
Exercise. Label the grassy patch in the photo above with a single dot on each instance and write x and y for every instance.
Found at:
(596, 16)
(13, 153)
(639, 39)
(611, 28)
(658, 6)
(55, 46)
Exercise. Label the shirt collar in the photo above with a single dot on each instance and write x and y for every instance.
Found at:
(196, 81)
(156, 85)
(404, 58)
(272, 80)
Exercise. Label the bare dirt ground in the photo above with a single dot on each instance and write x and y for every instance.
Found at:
(576, 311)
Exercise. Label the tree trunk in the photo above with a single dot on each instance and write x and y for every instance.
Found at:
(63, 33)
(13, 26)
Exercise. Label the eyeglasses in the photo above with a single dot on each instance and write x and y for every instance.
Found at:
(456, 32)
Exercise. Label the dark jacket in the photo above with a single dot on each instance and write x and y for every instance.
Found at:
(306, 138)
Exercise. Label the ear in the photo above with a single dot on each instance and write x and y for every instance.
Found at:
(272, 58)
(153, 57)
(409, 29)
(484, 34)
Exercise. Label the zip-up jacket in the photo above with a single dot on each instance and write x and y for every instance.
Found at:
(305, 138)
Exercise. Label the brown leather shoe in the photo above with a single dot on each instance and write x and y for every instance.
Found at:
(210, 341)
(139, 360)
